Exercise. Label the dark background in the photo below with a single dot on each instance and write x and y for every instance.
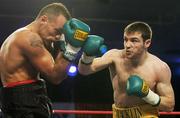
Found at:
(106, 18)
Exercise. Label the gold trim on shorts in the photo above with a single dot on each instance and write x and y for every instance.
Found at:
(141, 111)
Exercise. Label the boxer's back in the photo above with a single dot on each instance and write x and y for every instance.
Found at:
(14, 65)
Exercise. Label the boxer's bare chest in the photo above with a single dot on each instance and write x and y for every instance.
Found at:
(145, 71)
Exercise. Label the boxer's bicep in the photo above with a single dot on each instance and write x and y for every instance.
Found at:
(164, 81)
(35, 52)
(165, 90)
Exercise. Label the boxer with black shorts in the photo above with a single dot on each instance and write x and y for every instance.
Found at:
(29, 52)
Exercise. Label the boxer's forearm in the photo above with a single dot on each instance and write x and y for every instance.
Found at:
(166, 104)
(84, 69)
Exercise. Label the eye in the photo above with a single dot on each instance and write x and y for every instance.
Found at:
(59, 31)
(125, 39)
(134, 40)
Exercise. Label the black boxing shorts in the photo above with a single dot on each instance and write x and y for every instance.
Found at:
(25, 100)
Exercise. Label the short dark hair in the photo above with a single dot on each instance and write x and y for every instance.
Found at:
(141, 27)
(54, 9)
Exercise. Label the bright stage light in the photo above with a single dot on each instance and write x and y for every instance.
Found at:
(72, 72)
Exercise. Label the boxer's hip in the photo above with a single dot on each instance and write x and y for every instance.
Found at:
(26, 97)
(141, 111)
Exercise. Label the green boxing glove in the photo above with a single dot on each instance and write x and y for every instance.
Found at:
(76, 33)
(137, 86)
(94, 46)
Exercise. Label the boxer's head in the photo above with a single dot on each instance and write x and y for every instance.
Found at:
(51, 20)
(137, 38)
(143, 28)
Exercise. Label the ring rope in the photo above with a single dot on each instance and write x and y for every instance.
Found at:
(102, 112)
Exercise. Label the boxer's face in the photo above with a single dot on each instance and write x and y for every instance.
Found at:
(134, 44)
(53, 28)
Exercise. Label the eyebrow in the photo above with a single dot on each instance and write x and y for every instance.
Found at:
(134, 38)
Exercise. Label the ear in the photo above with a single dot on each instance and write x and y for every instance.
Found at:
(147, 43)
(44, 19)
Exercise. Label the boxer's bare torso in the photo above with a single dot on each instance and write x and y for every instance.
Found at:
(121, 69)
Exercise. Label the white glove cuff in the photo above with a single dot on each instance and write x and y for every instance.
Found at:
(70, 52)
(62, 38)
(152, 98)
(72, 49)
(87, 59)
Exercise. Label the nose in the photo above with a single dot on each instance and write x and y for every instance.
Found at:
(127, 44)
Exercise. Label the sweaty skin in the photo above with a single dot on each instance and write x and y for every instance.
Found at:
(134, 59)
(27, 51)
